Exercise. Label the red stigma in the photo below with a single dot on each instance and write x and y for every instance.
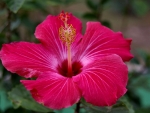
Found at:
(64, 16)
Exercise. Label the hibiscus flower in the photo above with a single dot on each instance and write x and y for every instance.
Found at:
(68, 65)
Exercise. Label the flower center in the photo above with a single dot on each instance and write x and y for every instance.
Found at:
(67, 34)
(63, 70)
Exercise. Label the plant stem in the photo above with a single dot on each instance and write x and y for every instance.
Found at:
(77, 110)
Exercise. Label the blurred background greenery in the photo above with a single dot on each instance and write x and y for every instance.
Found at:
(19, 18)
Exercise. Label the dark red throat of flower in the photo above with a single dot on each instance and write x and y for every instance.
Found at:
(63, 68)
(67, 34)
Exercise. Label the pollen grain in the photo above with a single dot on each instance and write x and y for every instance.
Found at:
(67, 32)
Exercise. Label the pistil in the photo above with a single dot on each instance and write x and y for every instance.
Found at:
(67, 34)
(69, 61)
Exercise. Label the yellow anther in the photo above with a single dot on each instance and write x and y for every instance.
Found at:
(67, 32)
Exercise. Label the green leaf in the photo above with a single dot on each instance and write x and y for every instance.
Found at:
(141, 87)
(104, 1)
(122, 106)
(145, 56)
(90, 16)
(92, 4)
(36, 4)
(106, 23)
(143, 110)
(142, 81)
(66, 110)
(15, 24)
(19, 96)
(60, 2)
(141, 7)
(144, 96)
(4, 102)
(14, 5)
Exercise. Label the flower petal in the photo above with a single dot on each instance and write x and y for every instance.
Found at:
(53, 90)
(101, 41)
(48, 33)
(103, 81)
(27, 59)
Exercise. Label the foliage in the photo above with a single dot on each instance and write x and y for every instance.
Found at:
(131, 7)
(96, 6)
(122, 106)
(5, 103)
(19, 96)
(14, 5)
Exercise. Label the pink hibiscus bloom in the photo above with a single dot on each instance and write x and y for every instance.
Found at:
(68, 65)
